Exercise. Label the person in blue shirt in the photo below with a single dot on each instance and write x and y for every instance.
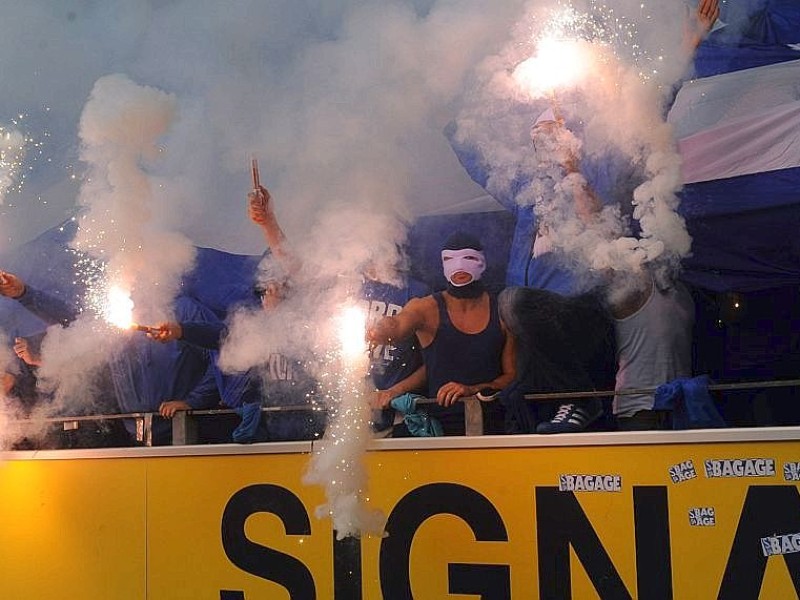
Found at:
(143, 378)
(284, 380)
(395, 368)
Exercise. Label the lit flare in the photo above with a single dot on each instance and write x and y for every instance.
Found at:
(352, 326)
(558, 63)
(118, 311)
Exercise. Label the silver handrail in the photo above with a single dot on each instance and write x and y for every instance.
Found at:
(745, 385)
(184, 427)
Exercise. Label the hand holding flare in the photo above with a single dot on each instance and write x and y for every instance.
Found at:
(11, 286)
(165, 332)
(144, 328)
(258, 201)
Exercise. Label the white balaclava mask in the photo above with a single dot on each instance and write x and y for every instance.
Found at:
(463, 254)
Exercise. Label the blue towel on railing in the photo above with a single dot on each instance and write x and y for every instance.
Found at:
(691, 405)
(419, 423)
(249, 430)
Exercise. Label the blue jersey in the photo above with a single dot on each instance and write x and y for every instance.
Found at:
(390, 363)
(282, 381)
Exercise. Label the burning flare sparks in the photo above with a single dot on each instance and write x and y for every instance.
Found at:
(118, 310)
(352, 327)
(571, 44)
(337, 463)
(557, 63)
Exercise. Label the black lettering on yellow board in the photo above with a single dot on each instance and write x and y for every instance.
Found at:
(767, 510)
(489, 582)
(561, 523)
(259, 560)
(653, 552)
(347, 568)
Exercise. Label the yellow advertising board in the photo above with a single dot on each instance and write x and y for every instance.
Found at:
(648, 516)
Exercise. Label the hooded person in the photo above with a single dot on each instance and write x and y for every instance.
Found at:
(564, 344)
(465, 346)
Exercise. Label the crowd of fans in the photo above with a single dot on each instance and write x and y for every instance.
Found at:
(541, 336)
(428, 351)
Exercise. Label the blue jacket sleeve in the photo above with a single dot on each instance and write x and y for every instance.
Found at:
(206, 393)
(203, 334)
(49, 309)
(478, 169)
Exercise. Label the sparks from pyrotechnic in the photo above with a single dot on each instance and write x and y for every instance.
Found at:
(570, 42)
(352, 327)
(15, 146)
(119, 307)
(337, 464)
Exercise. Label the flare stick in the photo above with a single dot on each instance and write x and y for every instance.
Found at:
(256, 178)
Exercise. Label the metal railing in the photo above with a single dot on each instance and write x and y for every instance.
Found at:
(185, 422)
(714, 387)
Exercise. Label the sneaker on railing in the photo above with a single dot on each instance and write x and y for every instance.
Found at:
(571, 418)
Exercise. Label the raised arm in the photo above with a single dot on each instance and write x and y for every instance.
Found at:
(49, 309)
(260, 211)
(699, 24)
(547, 132)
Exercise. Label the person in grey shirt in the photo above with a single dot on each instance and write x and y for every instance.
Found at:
(653, 330)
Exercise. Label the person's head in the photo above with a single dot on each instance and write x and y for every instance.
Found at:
(546, 125)
(463, 263)
(272, 283)
(270, 293)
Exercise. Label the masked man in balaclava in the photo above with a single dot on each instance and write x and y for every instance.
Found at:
(465, 346)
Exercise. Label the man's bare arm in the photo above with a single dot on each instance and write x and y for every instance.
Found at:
(415, 381)
(699, 24)
(452, 391)
(402, 325)
(260, 211)
(508, 364)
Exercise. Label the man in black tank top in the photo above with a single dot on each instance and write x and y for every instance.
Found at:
(465, 346)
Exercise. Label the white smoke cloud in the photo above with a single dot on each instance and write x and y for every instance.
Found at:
(616, 103)
(338, 460)
(72, 363)
(8, 434)
(121, 126)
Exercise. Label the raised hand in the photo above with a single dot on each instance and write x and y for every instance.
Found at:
(259, 205)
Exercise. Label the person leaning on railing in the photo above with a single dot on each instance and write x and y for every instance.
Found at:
(465, 346)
